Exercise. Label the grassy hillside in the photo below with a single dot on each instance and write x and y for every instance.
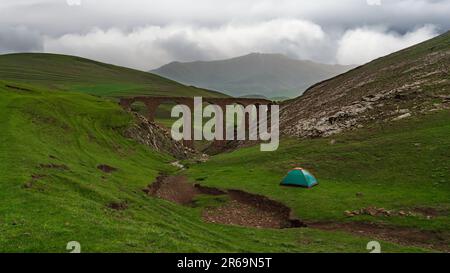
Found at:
(71, 73)
(55, 135)
(401, 166)
(52, 191)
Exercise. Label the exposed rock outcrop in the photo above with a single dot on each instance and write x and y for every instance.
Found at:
(396, 87)
(158, 138)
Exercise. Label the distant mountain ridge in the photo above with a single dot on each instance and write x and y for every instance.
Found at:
(269, 75)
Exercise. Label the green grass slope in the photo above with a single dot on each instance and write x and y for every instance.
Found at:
(51, 191)
(72, 73)
(400, 166)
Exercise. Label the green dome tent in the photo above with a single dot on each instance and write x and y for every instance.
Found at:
(299, 178)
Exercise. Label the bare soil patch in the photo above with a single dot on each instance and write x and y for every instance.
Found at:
(252, 210)
(249, 215)
(176, 189)
(54, 166)
(236, 213)
(243, 209)
(431, 212)
(34, 178)
(427, 212)
(400, 235)
(18, 88)
(118, 205)
(106, 169)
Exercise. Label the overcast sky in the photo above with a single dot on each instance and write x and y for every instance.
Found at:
(145, 34)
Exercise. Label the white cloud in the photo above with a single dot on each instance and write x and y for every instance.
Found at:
(153, 46)
(148, 33)
(361, 45)
(73, 2)
(20, 38)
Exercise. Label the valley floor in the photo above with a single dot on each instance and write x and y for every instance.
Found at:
(387, 182)
(68, 174)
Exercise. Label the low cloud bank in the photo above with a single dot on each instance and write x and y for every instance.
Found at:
(152, 46)
(20, 39)
(146, 34)
(365, 44)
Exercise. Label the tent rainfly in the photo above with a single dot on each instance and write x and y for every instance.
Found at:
(299, 177)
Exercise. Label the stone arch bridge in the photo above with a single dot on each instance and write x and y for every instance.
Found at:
(152, 103)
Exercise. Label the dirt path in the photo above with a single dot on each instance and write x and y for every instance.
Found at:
(399, 235)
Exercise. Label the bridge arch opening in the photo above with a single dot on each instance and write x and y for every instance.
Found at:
(163, 112)
(139, 107)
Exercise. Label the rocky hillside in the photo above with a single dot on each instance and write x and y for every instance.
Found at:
(406, 83)
(157, 138)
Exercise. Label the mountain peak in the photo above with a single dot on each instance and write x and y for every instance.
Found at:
(265, 74)
(265, 55)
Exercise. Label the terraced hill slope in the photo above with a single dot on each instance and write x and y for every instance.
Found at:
(410, 82)
(72, 73)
